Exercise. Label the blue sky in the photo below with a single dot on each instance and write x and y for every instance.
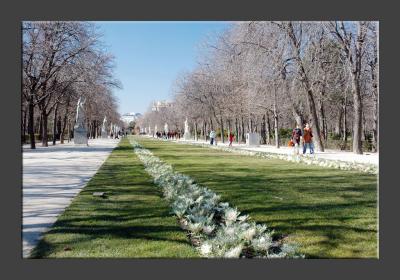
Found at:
(150, 55)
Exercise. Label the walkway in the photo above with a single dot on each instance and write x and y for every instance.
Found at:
(52, 177)
(370, 158)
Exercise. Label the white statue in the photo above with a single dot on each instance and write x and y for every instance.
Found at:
(186, 126)
(103, 128)
(166, 128)
(186, 134)
(80, 117)
(80, 132)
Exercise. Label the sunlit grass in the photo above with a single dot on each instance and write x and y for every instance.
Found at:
(132, 222)
(331, 213)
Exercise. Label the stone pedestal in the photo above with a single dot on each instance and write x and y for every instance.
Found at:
(252, 139)
(104, 135)
(80, 136)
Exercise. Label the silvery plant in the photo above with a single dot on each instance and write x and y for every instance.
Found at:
(219, 230)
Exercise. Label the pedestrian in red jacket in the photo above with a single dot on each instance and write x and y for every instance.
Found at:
(231, 137)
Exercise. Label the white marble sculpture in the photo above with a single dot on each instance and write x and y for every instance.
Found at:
(80, 132)
(186, 134)
(103, 128)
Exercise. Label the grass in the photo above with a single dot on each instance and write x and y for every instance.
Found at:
(132, 222)
(330, 213)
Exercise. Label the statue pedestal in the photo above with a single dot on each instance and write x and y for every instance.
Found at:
(104, 134)
(80, 136)
(186, 136)
(252, 139)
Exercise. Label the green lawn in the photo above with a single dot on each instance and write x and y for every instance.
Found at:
(133, 222)
(330, 213)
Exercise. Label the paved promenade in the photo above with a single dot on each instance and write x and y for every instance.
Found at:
(52, 177)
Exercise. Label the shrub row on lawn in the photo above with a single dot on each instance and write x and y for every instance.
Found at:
(215, 228)
(305, 159)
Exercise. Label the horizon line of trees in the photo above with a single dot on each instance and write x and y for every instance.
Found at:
(265, 77)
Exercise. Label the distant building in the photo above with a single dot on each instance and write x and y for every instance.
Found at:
(129, 117)
(158, 105)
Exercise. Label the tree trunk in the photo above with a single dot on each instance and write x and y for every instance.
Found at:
(202, 130)
(40, 127)
(276, 130)
(31, 130)
(229, 127)
(263, 134)
(64, 127)
(69, 131)
(268, 129)
(242, 132)
(90, 129)
(64, 121)
(306, 82)
(24, 124)
(298, 117)
(338, 127)
(205, 131)
(195, 131)
(317, 135)
(364, 128)
(222, 130)
(44, 129)
(55, 124)
(375, 126)
(323, 117)
(276, 126)
(357, 122)
(345, 120)
(237, 130)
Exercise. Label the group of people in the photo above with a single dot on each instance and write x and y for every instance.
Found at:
(305, 136)
(213, 138)
(168, 135)
(299, 136)
(118, 134)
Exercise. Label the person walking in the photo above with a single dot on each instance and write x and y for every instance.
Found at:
(212, 138)
(307, 139)
(231, 137)
(296, 137)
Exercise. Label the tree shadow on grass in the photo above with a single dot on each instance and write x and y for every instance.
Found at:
(93, 232)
